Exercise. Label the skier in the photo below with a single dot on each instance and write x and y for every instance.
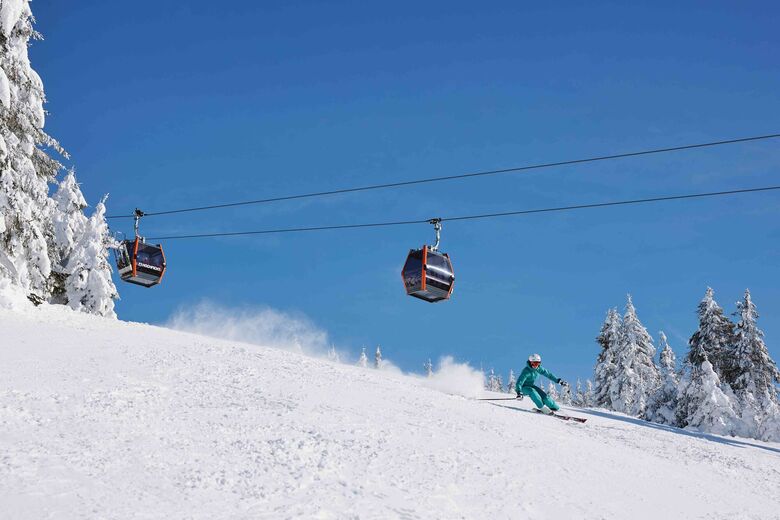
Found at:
(525, 384)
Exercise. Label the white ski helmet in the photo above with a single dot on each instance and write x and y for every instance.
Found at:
(534, 358)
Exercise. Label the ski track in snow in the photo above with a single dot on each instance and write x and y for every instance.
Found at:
(106, 419)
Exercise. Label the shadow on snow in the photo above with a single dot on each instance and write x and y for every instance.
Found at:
(663, 427)
(679, 431)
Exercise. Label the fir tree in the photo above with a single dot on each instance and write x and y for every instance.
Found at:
(565, 395)
(713, 339)
(604, 371)
(579, 397)
(363, 360)
(636, 376)
(510, 384)
(88, 286)
(703, 405)
(494, 383)
(333, 355)
(663, 407)
(770, 427)
(428, 368)
(69, 224)
(378, 358)
(26, 233)
(754, 372)
(589, 398)
(553, 392)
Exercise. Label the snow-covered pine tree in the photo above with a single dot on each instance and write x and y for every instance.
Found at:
(510, 384)
(333, 355)
(663, 406)
(714, 338)
(589, 399)
(604, 371)
(69, 222)
(566, 397)
(494, 383)
(754, 373)
(770, 428)
(428, 368)
(636, 376)
(553, 392)
(703, 405)
(88, 286)
(578, 399)
(26, 233)
(363, 360)
(378, 358)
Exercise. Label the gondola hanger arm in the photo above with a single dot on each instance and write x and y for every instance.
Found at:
(137, 214)
(437, 227)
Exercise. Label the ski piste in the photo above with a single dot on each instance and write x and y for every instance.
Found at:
(553, 414)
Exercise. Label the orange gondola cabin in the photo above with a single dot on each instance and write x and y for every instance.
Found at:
(140, 263)
(428, 275)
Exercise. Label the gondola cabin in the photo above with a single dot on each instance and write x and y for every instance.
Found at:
(140, 263)
(428, 275)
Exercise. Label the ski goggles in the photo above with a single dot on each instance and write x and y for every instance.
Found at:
(534, 363)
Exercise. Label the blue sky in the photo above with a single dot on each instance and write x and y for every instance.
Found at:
(177, 104)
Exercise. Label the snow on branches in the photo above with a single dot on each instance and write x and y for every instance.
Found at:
(704, 406)
(713, 338)
(634, 377)
(727, 383)
(754, 374)
(89, 287)
(40, 234)
(25, 169)
(663, 403)
(605, 364)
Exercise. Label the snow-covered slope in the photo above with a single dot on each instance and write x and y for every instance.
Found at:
(105, 419)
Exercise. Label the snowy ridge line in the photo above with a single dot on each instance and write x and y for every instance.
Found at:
(475, 217)
(465, 175)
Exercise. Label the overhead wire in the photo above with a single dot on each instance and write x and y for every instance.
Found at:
(459, 176)
(477, 216)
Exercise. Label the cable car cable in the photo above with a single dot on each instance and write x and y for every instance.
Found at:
(475, 217)
(460, 176)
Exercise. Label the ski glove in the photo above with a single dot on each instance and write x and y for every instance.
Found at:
(520, 396)
(562, 382)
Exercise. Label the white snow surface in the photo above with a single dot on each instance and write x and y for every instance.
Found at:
(5, 90)
(10, 11)
(107, 419)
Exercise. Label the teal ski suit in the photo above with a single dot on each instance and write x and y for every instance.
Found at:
(525, 386)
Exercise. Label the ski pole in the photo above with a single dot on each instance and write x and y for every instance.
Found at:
(498, 399)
